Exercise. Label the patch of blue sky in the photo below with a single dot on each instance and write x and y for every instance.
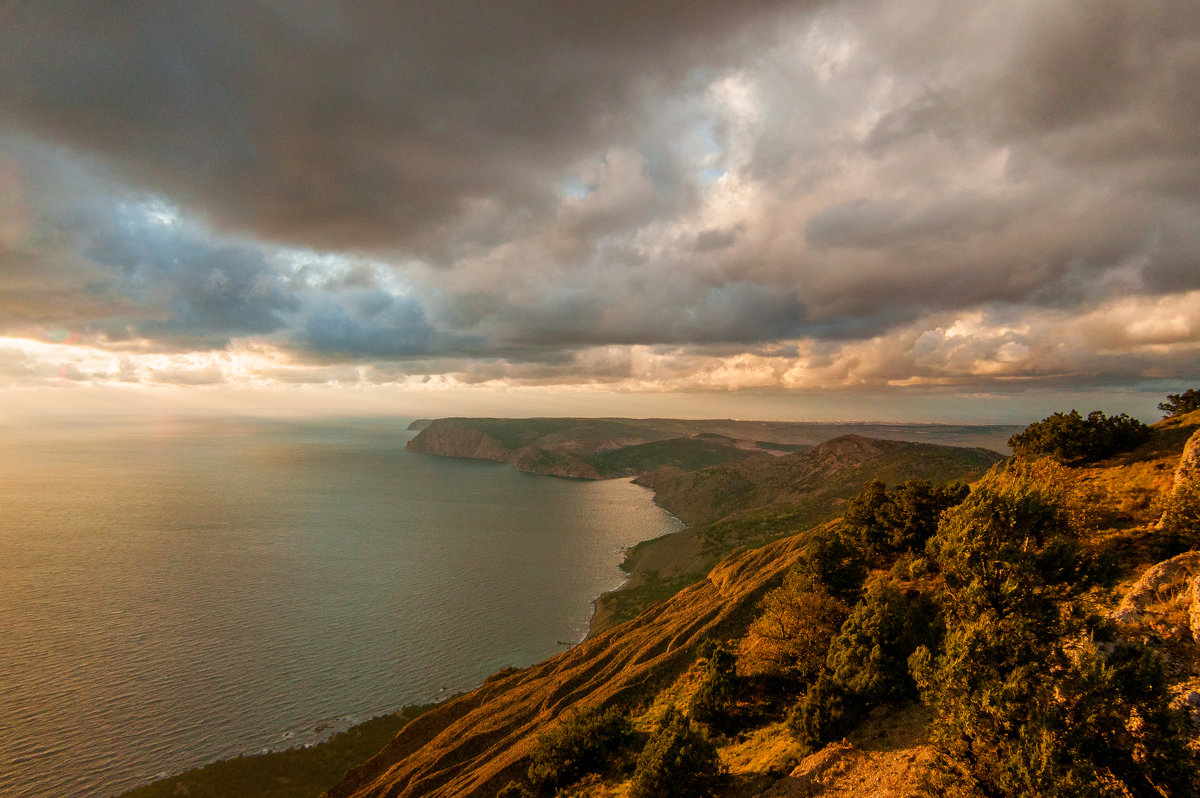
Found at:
(708, 154)
(160, 211)
(325, 270)
(153, 210)
(574, 187)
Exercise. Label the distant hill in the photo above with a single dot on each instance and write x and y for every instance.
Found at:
(834, 469)
(602, 448)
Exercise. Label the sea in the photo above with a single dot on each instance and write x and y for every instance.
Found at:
(176, 591)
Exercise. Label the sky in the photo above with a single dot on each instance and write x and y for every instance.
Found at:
(909, 210)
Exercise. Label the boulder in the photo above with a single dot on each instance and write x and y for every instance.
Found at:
(1151, 583)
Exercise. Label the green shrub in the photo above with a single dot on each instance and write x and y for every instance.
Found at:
(835, 560)
(887, 522)
(867, 663)
(1022, 706)
(1179, 404)
(1073, 439)
(679, 761)
(582, 742)
(870, 654)
(514, 789)
(1180, 519)
(828, 711)
(713, 698)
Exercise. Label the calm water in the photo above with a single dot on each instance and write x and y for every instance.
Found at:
(176, 592)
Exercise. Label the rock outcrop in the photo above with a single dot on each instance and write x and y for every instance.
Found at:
(1189, 461)
(447, 437)
(1164, 576)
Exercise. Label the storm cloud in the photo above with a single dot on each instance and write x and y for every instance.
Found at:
(659, 196)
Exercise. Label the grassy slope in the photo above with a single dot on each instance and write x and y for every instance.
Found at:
(687, 454)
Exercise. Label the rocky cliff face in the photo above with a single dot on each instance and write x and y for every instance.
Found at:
(1189, 461)
(452, 438)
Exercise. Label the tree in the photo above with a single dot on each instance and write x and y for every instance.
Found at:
(679, 761)
(1024, 702)
(867, 663)
(1071, 438)
(1178, 404)
(1180, 525)
(833, 558)
(711, 702)
(888, 522)
(791, 634)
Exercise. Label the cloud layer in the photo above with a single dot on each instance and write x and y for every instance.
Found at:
(665, 196)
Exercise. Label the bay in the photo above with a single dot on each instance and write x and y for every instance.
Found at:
(177, 591)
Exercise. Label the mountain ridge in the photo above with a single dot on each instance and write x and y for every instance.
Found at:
(592, 448)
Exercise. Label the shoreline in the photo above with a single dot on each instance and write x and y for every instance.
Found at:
(309, 769)
(598, 608)
(249, 763)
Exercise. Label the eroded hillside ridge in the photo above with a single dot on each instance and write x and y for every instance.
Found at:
(474, 744)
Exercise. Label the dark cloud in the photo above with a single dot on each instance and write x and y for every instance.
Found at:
(133, 271)
(367, 324)
(353, 124)
(816, 190)
(210, 293)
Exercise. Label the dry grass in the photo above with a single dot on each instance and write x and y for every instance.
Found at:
(885, 758)
(1132, 481)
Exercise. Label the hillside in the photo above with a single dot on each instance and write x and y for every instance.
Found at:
(602, 448)
(474, 744)
(478, 743)
(752, 502)
(832, 470)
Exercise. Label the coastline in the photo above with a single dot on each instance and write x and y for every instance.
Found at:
(304, 770)
(276, 763)
(606, 610)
